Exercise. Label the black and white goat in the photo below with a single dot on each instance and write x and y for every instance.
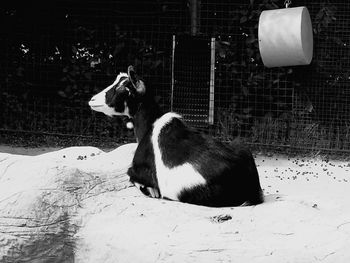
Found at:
(174, 161)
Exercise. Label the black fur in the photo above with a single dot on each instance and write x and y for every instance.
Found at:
(116, 96)
(229, 170)
(143, 169)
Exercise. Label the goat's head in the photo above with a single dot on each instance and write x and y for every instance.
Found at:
(121, 97)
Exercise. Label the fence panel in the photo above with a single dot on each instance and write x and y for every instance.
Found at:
(55, 55)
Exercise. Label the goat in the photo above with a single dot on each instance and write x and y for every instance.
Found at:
(174, 161)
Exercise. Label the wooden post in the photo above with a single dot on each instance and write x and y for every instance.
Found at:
(195, 16)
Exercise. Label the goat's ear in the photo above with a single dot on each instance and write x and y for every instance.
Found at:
(138, 84)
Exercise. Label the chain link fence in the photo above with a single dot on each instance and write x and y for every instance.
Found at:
(56, 55)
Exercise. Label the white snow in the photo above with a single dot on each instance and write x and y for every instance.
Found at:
(306, 216)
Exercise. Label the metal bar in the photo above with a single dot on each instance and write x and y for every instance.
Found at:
(195, 16)
(172, 73)
(212, 82)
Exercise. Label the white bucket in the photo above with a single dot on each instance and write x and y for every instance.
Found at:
(285, 37)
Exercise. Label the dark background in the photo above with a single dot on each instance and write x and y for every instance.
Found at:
(56, 54)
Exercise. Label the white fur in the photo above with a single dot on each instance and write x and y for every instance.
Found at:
(152, 191)
(172, 180)
(129, 125)
(98, 102)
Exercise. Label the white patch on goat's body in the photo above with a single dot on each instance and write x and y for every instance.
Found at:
(126, 110)
(98, 102)
(172, 181)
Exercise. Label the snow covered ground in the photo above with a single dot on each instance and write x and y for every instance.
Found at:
(306, 216)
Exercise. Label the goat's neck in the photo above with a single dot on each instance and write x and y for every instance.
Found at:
(148, 112)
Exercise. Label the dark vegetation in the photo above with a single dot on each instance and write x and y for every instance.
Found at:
(56, 54)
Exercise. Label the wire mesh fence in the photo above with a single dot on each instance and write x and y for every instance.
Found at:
(56, 55)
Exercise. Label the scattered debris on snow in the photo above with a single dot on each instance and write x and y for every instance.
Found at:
(76, 204)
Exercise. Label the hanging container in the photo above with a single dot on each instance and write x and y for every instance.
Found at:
(285, 37)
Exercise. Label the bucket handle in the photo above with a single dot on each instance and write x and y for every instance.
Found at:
(287, 3)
